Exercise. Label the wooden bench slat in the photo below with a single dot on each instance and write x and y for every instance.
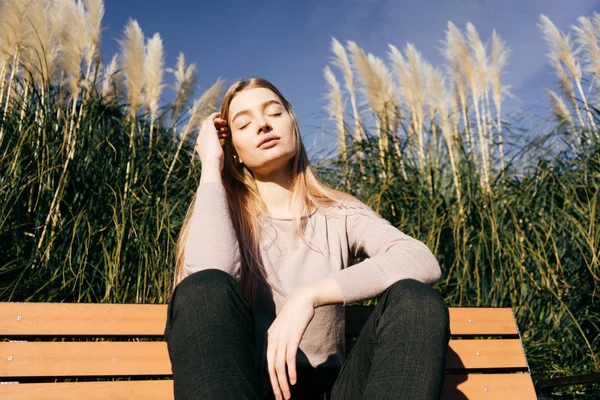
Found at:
(482, 321)
(120, 390)
(463, 320)
(499, 387)
(84, 359)
(456, 387)
(82, 319)
(469, 354)
(152, 358)
(150, 319)
(462, 354)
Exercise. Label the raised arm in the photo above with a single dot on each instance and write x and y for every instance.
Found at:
(211, 240)
(393, 256)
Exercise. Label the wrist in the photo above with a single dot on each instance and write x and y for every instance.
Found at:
(322, 292)
(211, 163)
(211, 171)
(308, 294)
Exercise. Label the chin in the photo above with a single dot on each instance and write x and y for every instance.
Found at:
(273, 162)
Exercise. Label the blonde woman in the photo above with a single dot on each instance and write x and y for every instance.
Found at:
(262, 275)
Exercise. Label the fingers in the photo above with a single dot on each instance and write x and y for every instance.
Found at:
(281, 373)
(272, 374)
(277, 357)
(291, 362)
(219, 122)
(221, 126)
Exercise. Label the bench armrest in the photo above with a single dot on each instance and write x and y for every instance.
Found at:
(545, 386)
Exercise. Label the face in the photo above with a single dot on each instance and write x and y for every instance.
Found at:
(256, 115)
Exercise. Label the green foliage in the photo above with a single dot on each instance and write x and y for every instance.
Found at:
(99, 246)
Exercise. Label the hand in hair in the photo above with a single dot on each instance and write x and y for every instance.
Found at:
(283, 338)
(208, 146)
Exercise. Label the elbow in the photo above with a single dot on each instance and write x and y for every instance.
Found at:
(436, 274)
(193, 261)
(188, 267)
(433, 271)
(430, 270)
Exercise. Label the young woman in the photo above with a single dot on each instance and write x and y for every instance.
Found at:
(262, 275)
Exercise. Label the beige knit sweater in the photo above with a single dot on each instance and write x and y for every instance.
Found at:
(339, 232)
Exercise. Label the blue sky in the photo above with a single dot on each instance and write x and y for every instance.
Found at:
(288, 42)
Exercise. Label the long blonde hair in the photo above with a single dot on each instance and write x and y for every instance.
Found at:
(245, 204)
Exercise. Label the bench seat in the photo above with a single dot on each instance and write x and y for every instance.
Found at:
(62, 351)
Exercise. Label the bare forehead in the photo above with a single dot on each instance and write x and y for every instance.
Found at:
(251, 98)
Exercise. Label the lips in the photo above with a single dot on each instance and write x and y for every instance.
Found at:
(267, 138)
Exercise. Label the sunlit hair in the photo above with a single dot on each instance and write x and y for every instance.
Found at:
(246, 207)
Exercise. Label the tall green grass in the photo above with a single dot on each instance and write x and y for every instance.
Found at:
(95, 176)
(100, 247)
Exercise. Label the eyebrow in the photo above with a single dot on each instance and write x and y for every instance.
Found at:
(263, 106)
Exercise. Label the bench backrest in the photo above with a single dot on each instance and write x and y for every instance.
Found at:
(60, 351)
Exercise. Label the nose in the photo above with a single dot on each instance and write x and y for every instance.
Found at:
(264, 127)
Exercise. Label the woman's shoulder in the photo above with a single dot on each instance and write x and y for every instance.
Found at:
(348, 206)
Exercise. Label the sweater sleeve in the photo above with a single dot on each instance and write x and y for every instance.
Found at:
(392, 254)
(211, 240)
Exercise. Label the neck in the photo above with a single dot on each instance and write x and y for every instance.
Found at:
(275, 191)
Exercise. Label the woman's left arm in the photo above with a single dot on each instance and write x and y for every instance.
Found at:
(393, 255)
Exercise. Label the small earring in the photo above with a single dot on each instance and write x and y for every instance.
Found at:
(236, 159)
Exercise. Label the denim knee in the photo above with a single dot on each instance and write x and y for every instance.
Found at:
(419, 299)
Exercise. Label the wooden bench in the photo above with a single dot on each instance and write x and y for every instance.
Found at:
(58, 351)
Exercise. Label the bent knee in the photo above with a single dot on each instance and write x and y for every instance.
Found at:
(420, 298)
(209, 275)
(207, 281)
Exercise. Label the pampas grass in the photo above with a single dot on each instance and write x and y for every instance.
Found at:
(12, 15)
(40, 47)
(377, 87)
(112, 81)
(476, 77)
(416, 67)
(562, 53)
(133, 60)
(72, 35)
(439, 97)
(563, 115)
(335, 110)
(93, 33)
(587, 38)
(498, 62)
(153, 77)
(185, 80)
(342, 61)
(457, 53)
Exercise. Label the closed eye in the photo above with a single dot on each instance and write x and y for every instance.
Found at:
(272, 115)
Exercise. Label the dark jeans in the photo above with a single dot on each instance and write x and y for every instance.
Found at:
(399, 354)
